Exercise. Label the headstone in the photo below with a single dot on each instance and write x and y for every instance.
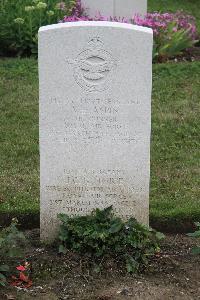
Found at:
(95, 120)
(118, 8)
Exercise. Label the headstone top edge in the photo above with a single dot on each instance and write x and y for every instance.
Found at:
(95, 24)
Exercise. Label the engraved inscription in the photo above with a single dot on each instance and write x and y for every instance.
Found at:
(83, 190)
(93, 67)
(96, 120)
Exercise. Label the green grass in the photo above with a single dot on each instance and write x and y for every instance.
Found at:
(190, 6)
(19, 157)
(175, 178)
(175, 139)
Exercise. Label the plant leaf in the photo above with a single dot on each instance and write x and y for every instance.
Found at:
(4, 268)
(2, 277)
(195, 234)
(160, 235)
(62, 249)
(196, 251)
(116, 227)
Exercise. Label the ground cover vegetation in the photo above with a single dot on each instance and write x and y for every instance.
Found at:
(173, 32)
(171, 273)
(101, 234)
(174, 197)
(96, 244)
(98, 236)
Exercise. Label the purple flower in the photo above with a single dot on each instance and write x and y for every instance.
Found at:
(159, 22)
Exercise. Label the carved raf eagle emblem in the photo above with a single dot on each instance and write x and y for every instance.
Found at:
(93, 67)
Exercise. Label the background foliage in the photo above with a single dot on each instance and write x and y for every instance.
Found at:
(21, 19)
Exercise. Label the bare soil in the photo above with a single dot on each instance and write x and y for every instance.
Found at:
(189, 55)
(174, 274)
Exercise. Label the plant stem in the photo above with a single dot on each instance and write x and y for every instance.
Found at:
(40, 18)
(30, 24)
(20, 35)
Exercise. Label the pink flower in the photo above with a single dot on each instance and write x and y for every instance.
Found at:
(159, 22)
(21, 268)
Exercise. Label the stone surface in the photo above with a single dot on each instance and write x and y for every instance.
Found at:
(94, 7)
(95, 120)
(119, 8)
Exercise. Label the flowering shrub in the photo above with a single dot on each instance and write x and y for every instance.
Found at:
(78, 14)
(75, 18)
(173, 32)
(160, 22)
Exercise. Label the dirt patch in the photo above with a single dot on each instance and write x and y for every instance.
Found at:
(175, 274)
(189, 55)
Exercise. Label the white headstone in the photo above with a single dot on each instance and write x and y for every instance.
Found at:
(118, 8)
(95, 120)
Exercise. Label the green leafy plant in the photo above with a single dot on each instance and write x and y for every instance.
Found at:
(101, 234)
(12, 242)
(171, 43)
(21, 19)
(173, 32)
(196, 234)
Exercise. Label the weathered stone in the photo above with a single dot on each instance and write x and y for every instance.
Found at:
(95, 120)
(119, 8)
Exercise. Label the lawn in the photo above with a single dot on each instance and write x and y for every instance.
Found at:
(174, 197)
